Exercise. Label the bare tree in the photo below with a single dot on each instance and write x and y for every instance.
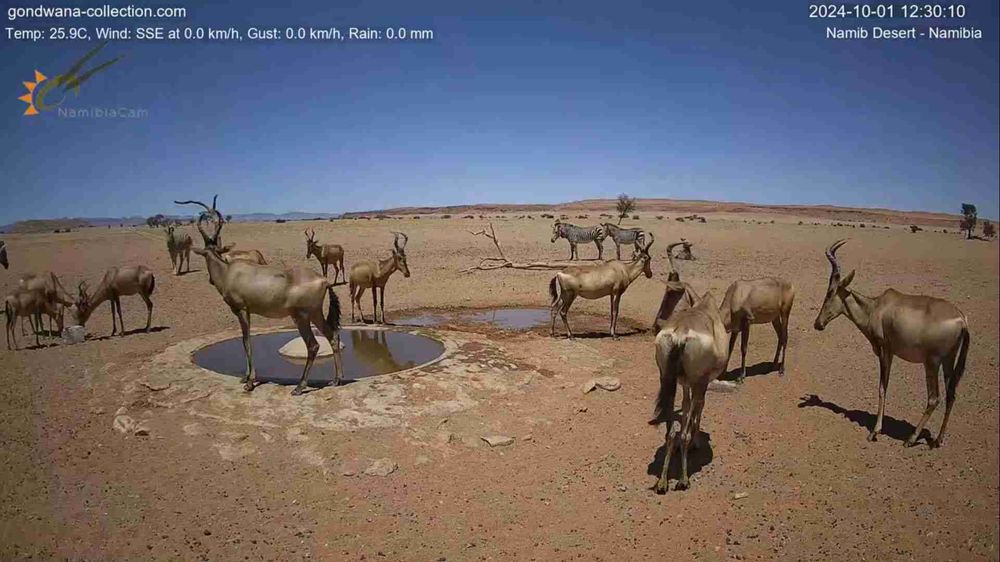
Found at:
(625, 206)
(969, 219)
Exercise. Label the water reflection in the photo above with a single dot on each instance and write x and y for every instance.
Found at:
(366, 353)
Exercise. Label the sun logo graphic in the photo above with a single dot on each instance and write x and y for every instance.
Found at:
(37, 97)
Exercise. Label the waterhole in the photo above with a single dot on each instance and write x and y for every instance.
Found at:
(505, 318)
(366, 353)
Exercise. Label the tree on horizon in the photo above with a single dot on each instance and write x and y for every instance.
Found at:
(625, 206)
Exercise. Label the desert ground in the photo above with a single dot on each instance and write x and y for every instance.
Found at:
(783, 471)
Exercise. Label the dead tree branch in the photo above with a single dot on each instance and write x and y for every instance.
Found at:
(489, 264)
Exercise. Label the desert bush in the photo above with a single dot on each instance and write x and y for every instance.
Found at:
(915, 228)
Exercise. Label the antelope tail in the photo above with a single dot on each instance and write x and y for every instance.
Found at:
(553, 290)
(963, 352)
(333, 311)
(664, 410)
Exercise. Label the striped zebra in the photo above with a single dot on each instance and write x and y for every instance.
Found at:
(577, 234)
(619, 235)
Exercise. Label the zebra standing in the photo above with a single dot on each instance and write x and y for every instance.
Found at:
(619, 235)
(577, 234)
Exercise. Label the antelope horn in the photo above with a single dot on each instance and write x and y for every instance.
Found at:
(395, 241)
(650, 243)
(214, 238)
(831, 254)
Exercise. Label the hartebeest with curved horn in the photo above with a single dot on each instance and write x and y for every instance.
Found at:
(27, 303)
(327, 255)
(690, 351)
(3, 255)
(915, 328)
(677, 295)
(271, 292)
(374, 275)
(608, 279)
(179, 247)
(117, 282)
(52, 290)
(758, 301)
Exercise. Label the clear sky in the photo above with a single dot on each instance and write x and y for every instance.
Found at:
(510, 102)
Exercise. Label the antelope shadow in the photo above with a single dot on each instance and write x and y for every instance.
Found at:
(760, 369)
(699, 456)
(891, 427)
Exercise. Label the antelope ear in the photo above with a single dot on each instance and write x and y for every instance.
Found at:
(226, 248)
(847, 280)
(199, 251)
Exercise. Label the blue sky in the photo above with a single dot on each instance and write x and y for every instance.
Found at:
(510, 102)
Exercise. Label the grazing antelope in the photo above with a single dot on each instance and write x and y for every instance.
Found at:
(758, 301)
(609, 279)
(915, 328)
(374, 275)
(326, 254)
(52, 290)
(579, 234)
(118, 282)
(179, 246)
(677, 295)
(271, 292)
(26, 303)
(229, 255)
(3, 255)
(619, 235)
(690, 351)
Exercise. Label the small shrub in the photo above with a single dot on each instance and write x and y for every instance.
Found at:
(280, 221)
(659, 217)
(445, 216)
(914, 228)
(635, 217)
(416, 217)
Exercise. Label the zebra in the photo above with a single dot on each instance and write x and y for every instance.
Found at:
(619, 235)
(577, 234)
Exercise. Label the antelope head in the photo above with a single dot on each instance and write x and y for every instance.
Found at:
(556, 230)
(80, 310)
(399, 253)
(170, 231)
(213, 240)
(674, 275)
(836, 291)
(643, 256)
(3, 255)
(312, 246)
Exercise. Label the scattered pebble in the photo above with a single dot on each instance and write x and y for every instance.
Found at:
(498, 440)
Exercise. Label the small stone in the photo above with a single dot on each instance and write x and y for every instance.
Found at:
(740, 495)
(123, 424)
(589, 385)
(527, 437)
(422, 459)
(381, 467)
(97, 411)
(610, 384)
(121, 411)
(498, 440)
(723, 386)
(207, 533)
(581, 409)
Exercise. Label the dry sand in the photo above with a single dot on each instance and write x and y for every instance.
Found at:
(225, 475)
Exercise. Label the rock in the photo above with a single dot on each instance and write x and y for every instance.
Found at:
(128, 425)
(381, 467)
(498, 440)
(422, 459)
(527, 437)
(296, 349)
(74, 334)
(740, 495)
(723, 386)
(610, 384)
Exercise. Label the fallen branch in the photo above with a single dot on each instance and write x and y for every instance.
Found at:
(490, 264)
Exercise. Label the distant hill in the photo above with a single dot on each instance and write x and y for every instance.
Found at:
(826, 212)
(49, 225)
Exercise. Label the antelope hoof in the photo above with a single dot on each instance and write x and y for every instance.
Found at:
(873, 436)
(661, 487)
(248, 386)
(682, 485)
(911, 441)
(297, 391)
(741, 379)
(934, 443)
